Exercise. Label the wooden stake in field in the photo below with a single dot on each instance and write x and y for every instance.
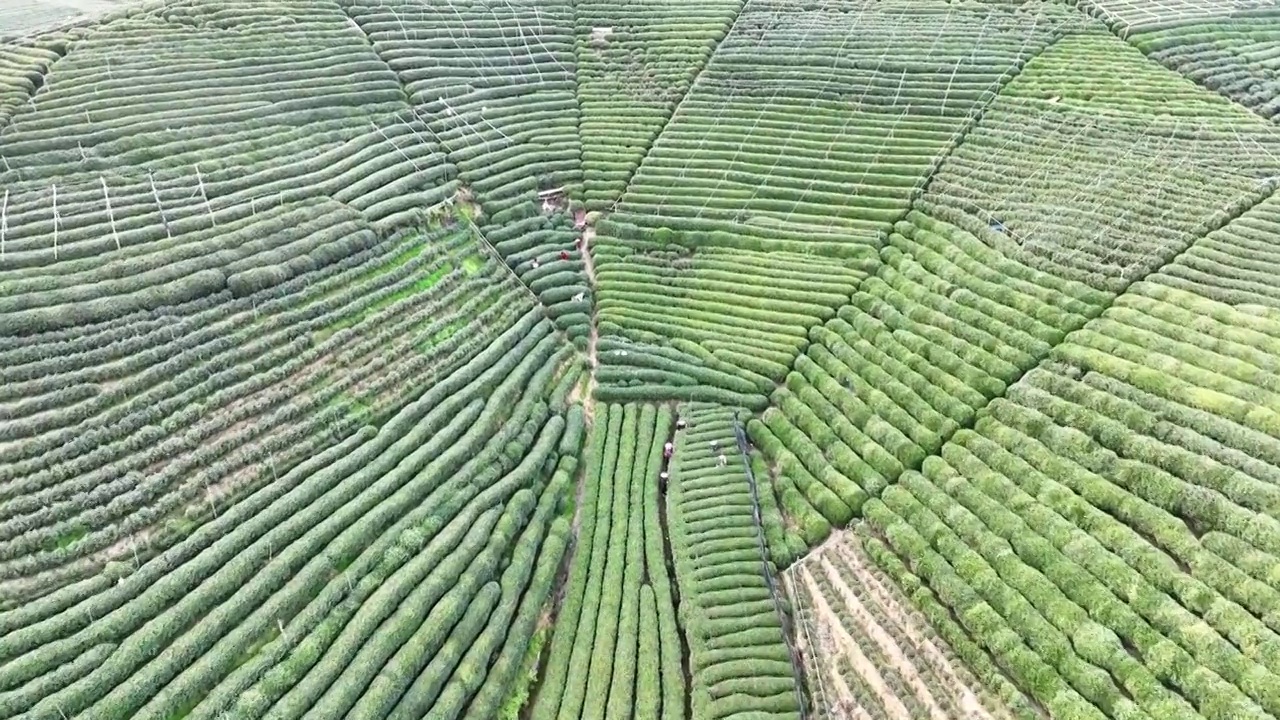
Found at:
(207, 207)
(4, 221)
(156, 194)
(111, 216)
(55, 222)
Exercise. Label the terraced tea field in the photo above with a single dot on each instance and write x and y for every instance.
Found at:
(711, 360)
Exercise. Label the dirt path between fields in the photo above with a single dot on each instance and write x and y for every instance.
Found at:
(588, 264)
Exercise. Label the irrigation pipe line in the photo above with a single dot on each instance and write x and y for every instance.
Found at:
(826, 85)
(764, 108)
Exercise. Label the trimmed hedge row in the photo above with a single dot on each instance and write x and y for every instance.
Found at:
(1113, 499)
(513, 383)
(497, 81)
(272, 74)
(1218, 52)
(840, 595)
(634, 64)
(944, 326)
(730, 327)
(618, 619)
(1234, 264)
(738, 660)
(764, 203)
(791, 129)
(52, 494)
(1216, 158)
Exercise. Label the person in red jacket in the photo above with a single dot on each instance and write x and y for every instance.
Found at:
(564, 254)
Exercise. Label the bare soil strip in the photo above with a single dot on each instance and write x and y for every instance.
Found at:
(905, 618)
(834, 640)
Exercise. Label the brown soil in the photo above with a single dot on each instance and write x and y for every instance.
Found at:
(833, 639)
(128, 546)
(866, 619)
(906, 619)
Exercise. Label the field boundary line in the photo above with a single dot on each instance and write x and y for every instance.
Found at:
(1124, 32)
(798, 612)
(989, 96)
(497, 256)
(1215, 220)
(796, 666)
(693, 84)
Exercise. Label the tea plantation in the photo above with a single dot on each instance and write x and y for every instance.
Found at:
(706, 360)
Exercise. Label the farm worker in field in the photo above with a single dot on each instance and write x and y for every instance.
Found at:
(722, 460)
(578, 297)
(535, 263)
(679, 423)
(667, 450)
(662, 480)
(564, 254)
(715, 445)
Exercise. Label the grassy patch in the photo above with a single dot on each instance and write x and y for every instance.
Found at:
(413, 247)
(422, 285)
(184, 710)
(524, 680)
(402, 258)
(266, 637)
(473, 264)
(354, 408)
(441, 335)
(488, 303)
(66, 539)
(181, 525)
(343, 563)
